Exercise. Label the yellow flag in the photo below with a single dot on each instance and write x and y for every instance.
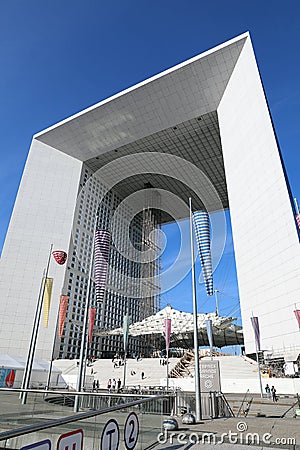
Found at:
(46, 300)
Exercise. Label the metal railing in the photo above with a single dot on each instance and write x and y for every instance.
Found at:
(245, 405)
(213, 404)
(75, 417)
(297, 403)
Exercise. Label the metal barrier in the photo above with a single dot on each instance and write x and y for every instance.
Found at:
(101, 407)
(213, 404)
(127, 418)
(105, 400)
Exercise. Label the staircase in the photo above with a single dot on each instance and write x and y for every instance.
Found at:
(182, 368)
(61, 400)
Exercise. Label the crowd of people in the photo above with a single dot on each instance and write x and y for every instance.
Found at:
(114, 385)
(96, 385)
(163, 361)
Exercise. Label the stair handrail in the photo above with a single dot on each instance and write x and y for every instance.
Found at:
(243, 401)
(227, 404)
(291, 407)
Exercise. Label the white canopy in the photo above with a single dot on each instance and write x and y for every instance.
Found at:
(182, 328)
(19, 362)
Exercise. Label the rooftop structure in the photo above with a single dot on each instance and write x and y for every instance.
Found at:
(225, 332)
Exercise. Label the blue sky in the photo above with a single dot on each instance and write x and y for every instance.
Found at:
(225, 280)
(58, 58)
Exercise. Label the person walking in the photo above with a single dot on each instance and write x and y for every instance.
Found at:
(119, 385)
(113, 384)
(109, 385)
(268, 391)
(274, 397)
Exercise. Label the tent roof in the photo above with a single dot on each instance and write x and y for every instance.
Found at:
(182, 328)
(19, 362)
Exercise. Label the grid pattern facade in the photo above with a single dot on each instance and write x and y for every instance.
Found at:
(121, 270)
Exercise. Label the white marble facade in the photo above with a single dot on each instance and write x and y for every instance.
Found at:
(224, 81)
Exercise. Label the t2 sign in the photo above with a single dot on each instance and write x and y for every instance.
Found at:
(131, 431)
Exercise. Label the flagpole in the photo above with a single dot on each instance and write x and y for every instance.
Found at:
(32, 336)
(85, 361)
(52, 356)
(259, 374)
(297, 315)
(196, 345)
(258, 364)
(83, 352)
(167, 368)
(35, 330)
(124, 371)
(209, 336)
(167, 323)
(125, 338)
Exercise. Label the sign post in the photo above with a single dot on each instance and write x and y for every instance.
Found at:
(210, 376)
(110, 437)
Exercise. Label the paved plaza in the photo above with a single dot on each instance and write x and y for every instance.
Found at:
(263, 425)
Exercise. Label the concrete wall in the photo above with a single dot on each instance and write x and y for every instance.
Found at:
(266, 242)
(43, 214)
(239, 386)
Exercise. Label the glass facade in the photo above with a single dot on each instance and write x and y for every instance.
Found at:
(130, 282)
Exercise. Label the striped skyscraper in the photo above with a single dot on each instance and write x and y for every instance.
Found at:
(202, 232)
(102, 244)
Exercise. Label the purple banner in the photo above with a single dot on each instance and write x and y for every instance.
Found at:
(255, 325)
(297, 314)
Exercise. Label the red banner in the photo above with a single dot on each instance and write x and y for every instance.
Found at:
(298, 220)
(297, 314)
(167, 332)
(60, 256)
(63, 306)
(92, 315)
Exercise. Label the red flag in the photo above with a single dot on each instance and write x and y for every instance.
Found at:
(10, 378)
(297, 314)
(60, 256)
(298, 220)
(92, 315)
(167, 332)
(63, 305)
